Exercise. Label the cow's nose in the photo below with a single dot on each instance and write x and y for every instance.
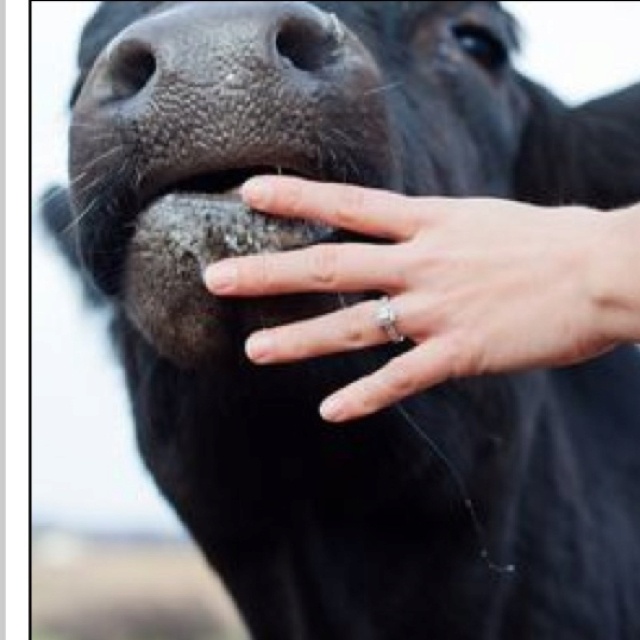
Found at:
(203, 44)
(196, 96)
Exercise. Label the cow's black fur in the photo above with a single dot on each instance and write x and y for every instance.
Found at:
(362, 532)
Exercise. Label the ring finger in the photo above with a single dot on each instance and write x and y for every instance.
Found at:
(355, 327)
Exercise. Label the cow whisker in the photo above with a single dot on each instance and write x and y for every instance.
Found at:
(102, 156)
(456, 477)
(383, 88)
(90, 208)
(462, 490)
(75, 222)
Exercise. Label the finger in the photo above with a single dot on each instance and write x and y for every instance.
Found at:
(345, 330)
(422, 367)
(368, 211)
(325, 267)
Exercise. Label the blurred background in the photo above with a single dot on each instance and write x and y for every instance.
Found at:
(110, 559)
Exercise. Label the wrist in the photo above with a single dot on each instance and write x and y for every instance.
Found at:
(616, 275)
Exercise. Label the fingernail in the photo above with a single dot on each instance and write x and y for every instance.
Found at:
(221, 277)
(256, 191)
(259, 347)
(333, 409)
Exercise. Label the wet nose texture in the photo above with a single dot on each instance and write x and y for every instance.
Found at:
(204, 87)
(197, 96)
(282, 37)
(207, 86)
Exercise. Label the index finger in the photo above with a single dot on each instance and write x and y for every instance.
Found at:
(372, 212)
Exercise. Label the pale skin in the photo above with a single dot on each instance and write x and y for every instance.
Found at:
(478, 285)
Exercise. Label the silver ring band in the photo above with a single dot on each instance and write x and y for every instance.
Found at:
(386, 319)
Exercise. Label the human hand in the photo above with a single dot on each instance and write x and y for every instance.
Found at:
(478, 285)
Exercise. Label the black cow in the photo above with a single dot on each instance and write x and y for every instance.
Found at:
(403, 525)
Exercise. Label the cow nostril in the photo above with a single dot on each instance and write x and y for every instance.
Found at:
(131, 67)
(306, 45)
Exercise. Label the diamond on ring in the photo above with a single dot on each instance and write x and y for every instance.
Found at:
(386, 319)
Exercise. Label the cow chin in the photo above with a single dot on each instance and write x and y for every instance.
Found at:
(176, 237)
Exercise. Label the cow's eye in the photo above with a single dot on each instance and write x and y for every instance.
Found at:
(481, 45)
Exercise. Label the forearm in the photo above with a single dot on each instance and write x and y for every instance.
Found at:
(617, 275)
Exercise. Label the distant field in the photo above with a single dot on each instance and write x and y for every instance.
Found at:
(114, 591)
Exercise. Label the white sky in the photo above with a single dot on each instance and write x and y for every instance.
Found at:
(86, 471)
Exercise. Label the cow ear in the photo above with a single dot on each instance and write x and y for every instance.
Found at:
(56, 213)
(589, 154)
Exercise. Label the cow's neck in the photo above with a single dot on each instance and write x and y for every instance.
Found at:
(307, 518)
(252, 437)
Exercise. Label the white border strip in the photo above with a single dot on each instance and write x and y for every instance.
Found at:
(17, 214)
